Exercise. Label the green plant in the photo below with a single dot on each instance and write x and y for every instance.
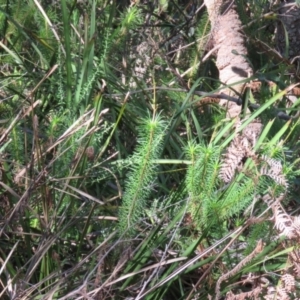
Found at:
(104, 198)
(141, 179)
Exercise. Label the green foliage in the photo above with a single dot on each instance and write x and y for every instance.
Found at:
(209, 201)
(202, 180)
(142, 175)
(84, 169)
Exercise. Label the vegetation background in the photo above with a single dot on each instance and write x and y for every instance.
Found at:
(124, 173)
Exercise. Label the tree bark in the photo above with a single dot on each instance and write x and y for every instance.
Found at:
(233, 68)
(230, 52)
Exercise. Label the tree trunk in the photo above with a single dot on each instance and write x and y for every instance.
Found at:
(233, 67)
(231, 53)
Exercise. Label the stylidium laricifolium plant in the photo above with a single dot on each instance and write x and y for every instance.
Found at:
(202, 179)
(142, 175)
